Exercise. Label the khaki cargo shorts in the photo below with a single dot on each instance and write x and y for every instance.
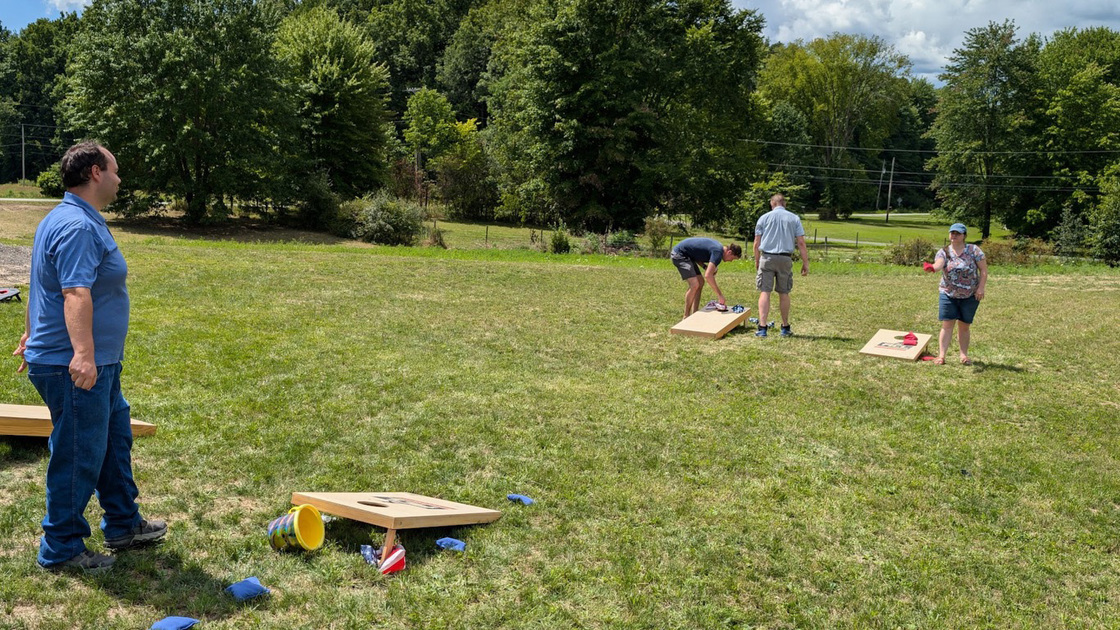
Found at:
(775, 273)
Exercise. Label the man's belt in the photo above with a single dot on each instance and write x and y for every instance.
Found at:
(777, 254)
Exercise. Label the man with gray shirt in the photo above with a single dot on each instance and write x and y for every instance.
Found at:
(775, 235)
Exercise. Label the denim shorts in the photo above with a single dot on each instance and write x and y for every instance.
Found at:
(963, 309)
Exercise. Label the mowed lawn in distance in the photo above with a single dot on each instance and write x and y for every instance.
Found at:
(681, 482)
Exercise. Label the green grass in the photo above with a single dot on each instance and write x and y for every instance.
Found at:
(22, 189)
(681, 483)
(876, 229)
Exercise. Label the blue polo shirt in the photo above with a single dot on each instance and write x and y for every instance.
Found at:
(779, 229)
(700, 249)
(73, 248)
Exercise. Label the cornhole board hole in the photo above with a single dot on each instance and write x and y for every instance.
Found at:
(710, 324)
(888, 343)
(395, 510)
(35, 421)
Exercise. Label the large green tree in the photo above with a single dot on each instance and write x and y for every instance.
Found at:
(908, 148)
(608, 111)
(35, 61)
(342, 96)
(981, 125)
(410, 37)
(188, 94)
(850, 89)
(1074, 125)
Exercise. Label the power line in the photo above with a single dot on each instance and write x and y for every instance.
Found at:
(921, 184)
(930, 151)
(918, 173)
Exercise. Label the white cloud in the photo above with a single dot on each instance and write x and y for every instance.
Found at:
(67, 6)
(926, 31)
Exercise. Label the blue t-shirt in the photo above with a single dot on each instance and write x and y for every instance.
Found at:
(779, 229)
(700, 249)
(73, 248)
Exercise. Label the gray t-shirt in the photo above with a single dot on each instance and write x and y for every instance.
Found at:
(779, 229)
(700, 249)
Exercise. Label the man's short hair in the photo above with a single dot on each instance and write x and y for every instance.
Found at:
(735, 249)
(780, 198)
(77, 164)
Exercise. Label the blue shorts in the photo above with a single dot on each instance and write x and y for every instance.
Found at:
(963, 309)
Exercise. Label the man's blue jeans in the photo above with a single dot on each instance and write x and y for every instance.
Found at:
(91, 451)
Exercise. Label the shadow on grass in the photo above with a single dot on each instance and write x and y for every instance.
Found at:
(420, 544)
(242, 230)
(19, 450)
(749, 329)
(158, 577)
(983, 366)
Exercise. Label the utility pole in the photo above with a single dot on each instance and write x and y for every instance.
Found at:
(882, 171)
(890, 186)
(23, 150)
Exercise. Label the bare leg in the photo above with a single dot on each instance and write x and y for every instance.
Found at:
(763, 308)
(783, 305)
(964, 333)
(944, 339)
(692, 296)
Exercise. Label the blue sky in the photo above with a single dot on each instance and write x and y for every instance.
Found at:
(15, 14)
(926, 31)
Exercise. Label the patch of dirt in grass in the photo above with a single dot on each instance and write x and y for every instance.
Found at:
(26, 616)
(15, 265)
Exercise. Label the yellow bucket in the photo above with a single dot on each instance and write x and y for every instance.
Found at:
(300, 528)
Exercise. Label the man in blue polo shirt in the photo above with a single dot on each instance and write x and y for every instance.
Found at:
(72, 347)
(697, 255)
(775, 235)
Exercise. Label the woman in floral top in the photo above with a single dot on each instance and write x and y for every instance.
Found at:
(964, 274)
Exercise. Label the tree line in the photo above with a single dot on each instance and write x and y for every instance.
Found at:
(595, 114)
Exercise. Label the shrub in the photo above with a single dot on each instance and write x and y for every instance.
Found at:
(383, 219)
(319, 207)
(1025, 251)
(1105, 220)
(50, 182)
(560, 243)
(911, 252)
(593, 244)
(1071, 234)
(657, 232)
(435, 238)
(621, 239)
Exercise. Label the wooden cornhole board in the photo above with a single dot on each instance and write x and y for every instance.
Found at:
(35, 421)
(710, 324)
(888, 343)
(396, 510)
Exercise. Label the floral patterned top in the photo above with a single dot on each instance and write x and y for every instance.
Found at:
(961, 275)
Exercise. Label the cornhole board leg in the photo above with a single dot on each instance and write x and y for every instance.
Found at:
(387, 548)
(395, 511)
(35, 421)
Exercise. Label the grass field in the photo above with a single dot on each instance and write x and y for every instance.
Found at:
(681, 483)
(21, 190)
(877, 229)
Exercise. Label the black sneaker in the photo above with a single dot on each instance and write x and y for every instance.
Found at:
(145, 532)
(87, 562)
(786, 332)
